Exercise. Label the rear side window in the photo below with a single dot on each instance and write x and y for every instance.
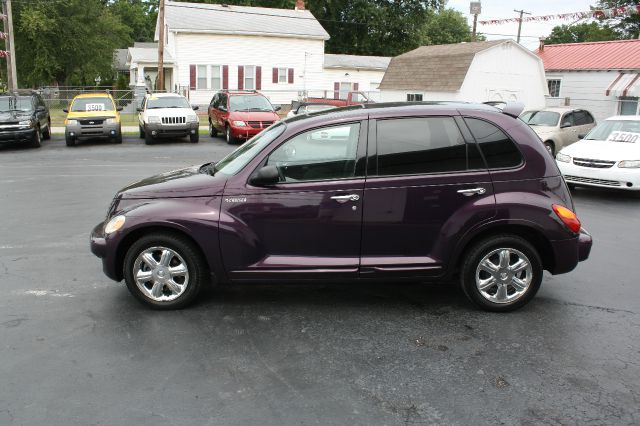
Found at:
(410, 146)
(582, 118)
(498, 149)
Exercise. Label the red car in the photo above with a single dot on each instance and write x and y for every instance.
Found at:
(240, 115)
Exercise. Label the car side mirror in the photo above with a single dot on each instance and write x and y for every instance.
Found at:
(41, 109)
(564, 125)
(119, 109)
(222, 108)
(277, 108)
(195, 107)
(139, 109)
(582, 136)
(65, 110)
(267, 175)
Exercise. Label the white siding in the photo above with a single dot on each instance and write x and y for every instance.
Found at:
(586, 89)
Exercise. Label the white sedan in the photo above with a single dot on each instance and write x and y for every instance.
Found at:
(608, 157)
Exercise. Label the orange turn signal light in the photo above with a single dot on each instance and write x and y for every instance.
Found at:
(567, 217)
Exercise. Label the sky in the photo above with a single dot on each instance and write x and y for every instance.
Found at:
(531, 31)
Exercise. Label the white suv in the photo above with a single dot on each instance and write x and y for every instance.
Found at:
(167, 115)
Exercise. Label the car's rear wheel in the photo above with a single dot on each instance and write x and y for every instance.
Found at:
(212, 130)
(501, 273)
(550, 148)
(164, 271)
(36, 142)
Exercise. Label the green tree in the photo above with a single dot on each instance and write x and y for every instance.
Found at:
(592, 31)
(627, 26)
(138, 15)
(446, 26)
(69, 42)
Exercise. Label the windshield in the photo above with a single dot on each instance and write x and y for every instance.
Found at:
(15, 103)
(234, 162)
(92, 104)
(249, 103)
(541, 118)
(167, 102)
(602, 131)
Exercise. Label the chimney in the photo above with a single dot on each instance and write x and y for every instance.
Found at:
(541, 47)
(299, 4)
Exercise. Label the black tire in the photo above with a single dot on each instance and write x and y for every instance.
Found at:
(196, 266)
(36, 142)
(70, 140)
(571, 186)
(229, 136)
(212, 130)
(141, 131)
(549, 145)
(148, 138)
(194, 137)
(46, 135)
(118, 139)
(477, 253)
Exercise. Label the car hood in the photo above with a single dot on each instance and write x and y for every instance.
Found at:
(170, 112)
(10, 116)
(74, 115)
(603, 150)
(181, 183)
(254, 116)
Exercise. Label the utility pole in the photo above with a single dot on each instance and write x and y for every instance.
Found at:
(521, 12)
(12, 76)
(475, 9)
(161, 47)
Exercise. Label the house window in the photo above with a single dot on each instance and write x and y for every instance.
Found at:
(628, 105)
(249, 77)
(554, 88)
(201, 77)
(345, 88)
(283, 75)
(414, 97)
(216, 77)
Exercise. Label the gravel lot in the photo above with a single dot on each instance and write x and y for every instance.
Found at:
(77, 349)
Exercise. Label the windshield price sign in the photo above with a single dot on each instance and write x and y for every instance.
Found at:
(627, 137)
(95, 107)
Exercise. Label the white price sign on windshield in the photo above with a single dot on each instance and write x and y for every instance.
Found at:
(628, 137)
(95, 107)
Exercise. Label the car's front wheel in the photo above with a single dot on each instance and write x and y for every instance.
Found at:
(164, 271)
(36, 142)
(46, 134)
(550, 148)
(194, 137)
(212, 130)
(70, 140)
(148, 137)
(501, 273)
(229, 136)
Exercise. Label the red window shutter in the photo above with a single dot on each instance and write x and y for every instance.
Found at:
(355, 87)
(192, 77)
(275, 75)
(240, 77)
(336, 90)
(225, 77)
(290, 75)
(258, 78)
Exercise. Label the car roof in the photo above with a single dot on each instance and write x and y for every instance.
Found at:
(165, 95)
(93, 95)
(624, 117)
(241, 92)
(557, 109)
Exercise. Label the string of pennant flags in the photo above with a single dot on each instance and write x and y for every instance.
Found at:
(595, 13)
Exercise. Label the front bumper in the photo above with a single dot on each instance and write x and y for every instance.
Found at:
(101, 247)
(568, 253)
(17, 136)
(614, 177)
(103, 130)
(159, 130)
(244, 132)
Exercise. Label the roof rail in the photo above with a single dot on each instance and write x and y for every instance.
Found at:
(513, 109)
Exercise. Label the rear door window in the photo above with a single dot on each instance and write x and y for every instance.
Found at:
(498, 149)
(410, 146)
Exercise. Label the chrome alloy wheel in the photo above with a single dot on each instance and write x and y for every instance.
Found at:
(161, 274)
(504, 275)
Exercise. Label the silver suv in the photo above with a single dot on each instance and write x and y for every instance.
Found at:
(559, 127)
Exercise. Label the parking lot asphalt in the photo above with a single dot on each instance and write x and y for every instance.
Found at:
(77, 349)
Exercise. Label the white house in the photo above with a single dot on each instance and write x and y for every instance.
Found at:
(280, 52)
(499, 70)
(601, 77)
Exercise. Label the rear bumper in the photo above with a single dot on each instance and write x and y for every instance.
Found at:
(568, 253)
(17, 136)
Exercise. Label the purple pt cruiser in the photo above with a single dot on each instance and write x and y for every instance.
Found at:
(426, 191)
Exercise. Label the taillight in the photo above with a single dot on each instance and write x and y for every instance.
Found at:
(567, 217)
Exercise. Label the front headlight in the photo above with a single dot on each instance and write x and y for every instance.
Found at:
(110, 121)
(26, 123)
(192, 118)
(563, 157)
(629, 164)
(154, 119)
(239, 124)
(71, 122)
(115, 224)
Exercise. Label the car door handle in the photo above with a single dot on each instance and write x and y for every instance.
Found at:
(472, 191)
(344, 198)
